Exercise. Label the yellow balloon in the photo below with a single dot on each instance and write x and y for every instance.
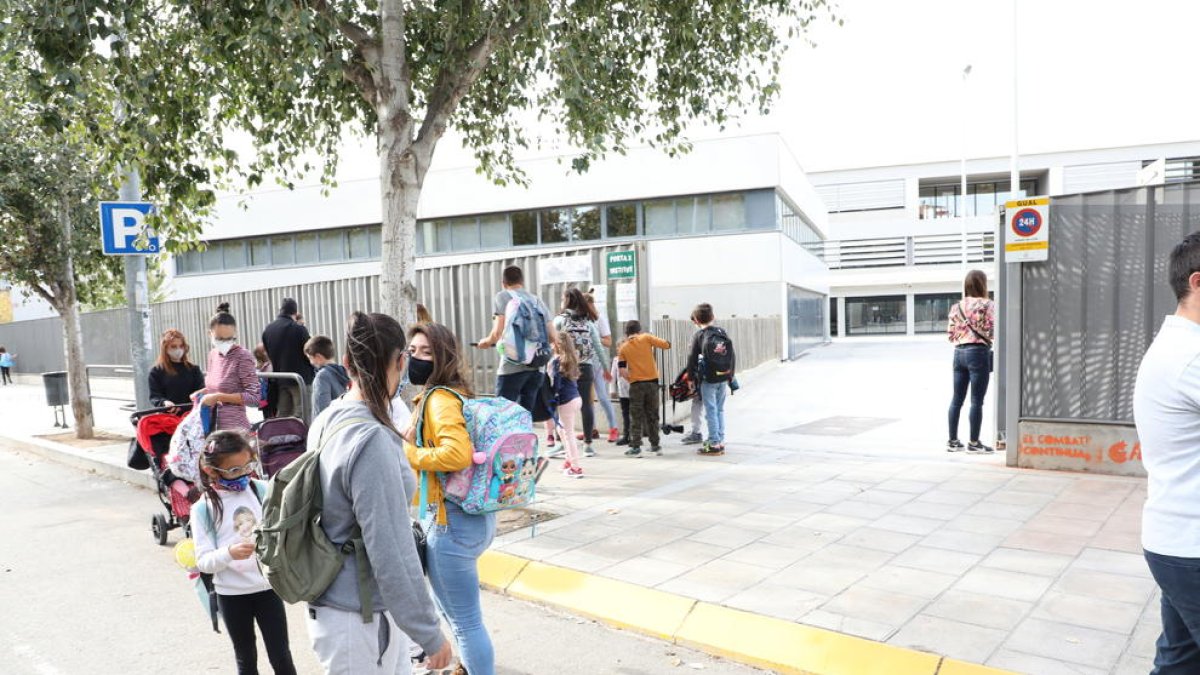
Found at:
(185, 554)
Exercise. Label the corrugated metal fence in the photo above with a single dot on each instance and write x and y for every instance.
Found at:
(755, 341)
(1089, 313)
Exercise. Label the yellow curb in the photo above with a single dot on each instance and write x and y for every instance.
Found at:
(498, 570)
(617, 603)
(952, 667)
(795, 648)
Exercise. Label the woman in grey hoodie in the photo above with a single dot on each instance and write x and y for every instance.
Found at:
(367, 482)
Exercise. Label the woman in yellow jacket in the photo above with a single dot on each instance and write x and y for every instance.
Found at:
(456, 539)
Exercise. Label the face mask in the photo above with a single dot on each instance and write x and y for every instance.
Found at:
(175, 354)
(223, 346)
(419, 371)
(236, 484)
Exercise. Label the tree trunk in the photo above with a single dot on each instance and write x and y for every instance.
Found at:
(400, 180)
(68, 309)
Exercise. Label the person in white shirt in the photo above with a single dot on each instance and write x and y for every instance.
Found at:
(1166, 410)
(223, 522)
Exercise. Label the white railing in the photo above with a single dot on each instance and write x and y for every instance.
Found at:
(925, 249)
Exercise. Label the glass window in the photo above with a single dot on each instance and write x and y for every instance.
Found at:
(876, 316)
(436, 234)
(211, 258)
(585, 223)
(375, 239)
(622, 220)
(234, 254)
(306, 248)
(283, 251)
(188, 262)
(691, 214)
(333, 246)
(524, 229)
(947, 201)
(659, 217)
(260, 252)
(728, 212)
(555, 226)
(360, 248)
(464, 234)
(928, 207)
(985, 198)
(493, 232)
(761, 210)
(931, 312)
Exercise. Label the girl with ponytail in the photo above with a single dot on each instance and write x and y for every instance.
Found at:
(367, 485)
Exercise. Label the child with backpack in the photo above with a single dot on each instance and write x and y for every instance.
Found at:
(564, 373)
(712, 363)
(578, 321)
(331, 379)
(221, 519)
(636, 361)
(623, 395)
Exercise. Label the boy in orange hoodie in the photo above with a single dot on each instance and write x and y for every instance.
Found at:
(636, 361)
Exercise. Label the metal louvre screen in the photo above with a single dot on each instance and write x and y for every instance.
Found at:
(755, 341)
(1089, 313)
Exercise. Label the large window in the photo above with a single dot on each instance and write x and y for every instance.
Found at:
(525, 229)
(622, 220)
(555, 226)
(931, 312)
(884, 315)
(945, 201)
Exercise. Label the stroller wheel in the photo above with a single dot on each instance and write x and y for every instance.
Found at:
(158, 526)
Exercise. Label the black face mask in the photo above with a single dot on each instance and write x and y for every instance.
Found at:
(419, 371)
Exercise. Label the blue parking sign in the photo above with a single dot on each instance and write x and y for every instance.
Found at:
(122, 224)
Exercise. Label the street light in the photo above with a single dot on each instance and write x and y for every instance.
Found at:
(963, 167)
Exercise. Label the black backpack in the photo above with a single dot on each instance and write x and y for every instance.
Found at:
(716, 356)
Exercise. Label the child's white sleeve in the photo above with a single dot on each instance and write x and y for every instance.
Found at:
(209, 558)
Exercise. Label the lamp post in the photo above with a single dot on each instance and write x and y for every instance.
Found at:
(963, 167)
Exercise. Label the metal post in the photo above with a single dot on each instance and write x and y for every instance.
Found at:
(963, 168)
(1014, 176)
(137, 300)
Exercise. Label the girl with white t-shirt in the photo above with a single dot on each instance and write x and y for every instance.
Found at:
(223, 523)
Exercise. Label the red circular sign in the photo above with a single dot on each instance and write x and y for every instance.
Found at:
(1027, 222)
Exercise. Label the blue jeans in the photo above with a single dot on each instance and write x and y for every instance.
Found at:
(520, 388)
(601, 386)
(453, 553)
(1179, 644)
(714, 394)
(971, 366)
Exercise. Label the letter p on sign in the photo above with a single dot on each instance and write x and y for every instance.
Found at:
(122, 224)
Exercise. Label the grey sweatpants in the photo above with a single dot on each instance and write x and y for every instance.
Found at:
(347, 646)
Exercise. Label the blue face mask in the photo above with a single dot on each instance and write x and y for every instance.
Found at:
(234, 485)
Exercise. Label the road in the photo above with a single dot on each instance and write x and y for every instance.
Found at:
(85, 590)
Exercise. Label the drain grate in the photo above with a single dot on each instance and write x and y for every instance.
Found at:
(839, 426)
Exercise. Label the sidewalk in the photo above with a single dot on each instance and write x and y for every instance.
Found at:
(862, 525)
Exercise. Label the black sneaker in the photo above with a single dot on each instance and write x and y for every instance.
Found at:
(656, 450)
(633, 452)
(954, 446)
(623, 441)
(977, 447)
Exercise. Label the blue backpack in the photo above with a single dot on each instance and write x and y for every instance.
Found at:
(525, 340)
(503, 473)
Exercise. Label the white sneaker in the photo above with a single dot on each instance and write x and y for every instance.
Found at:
(559, 453)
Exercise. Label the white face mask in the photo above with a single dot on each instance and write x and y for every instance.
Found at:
(223, 346)
(175, 354)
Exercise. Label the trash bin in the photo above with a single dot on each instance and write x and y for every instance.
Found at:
(56, 388)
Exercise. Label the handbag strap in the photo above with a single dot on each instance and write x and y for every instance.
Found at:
(963, 314)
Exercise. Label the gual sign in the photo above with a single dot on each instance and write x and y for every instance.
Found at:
(1027, 237)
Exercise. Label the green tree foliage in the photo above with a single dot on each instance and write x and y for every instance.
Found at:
(293, 75)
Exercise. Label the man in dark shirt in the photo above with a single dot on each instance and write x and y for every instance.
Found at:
(284, 339)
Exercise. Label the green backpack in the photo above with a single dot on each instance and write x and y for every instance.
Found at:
(298, 559)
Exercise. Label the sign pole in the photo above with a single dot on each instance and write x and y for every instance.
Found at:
(137, 302)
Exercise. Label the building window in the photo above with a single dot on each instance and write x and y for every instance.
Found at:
(877, 316)
(622, 220)
(493, 232)
(585, 223)
(660, 218)
(375, 237)
(728, 213)
(692, 215)
(833, 317)
(188, 262)
(943, 201)
(360, 247)
(234, 255)
(283, 251)
(931, 312)
(464, 234)
(260, 252)
(333, 249)
(211, 258)
(306, 248)
(555, 226)
(524, 229)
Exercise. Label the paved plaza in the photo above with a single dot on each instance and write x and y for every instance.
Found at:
(858, 521)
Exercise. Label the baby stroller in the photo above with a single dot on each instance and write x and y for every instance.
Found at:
(154, 430)
(280, 441)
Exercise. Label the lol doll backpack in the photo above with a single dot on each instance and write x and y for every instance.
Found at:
(505, 458)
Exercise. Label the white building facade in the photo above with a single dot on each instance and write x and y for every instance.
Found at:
(896, 253)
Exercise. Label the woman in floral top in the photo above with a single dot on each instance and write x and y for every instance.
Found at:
(972, 329)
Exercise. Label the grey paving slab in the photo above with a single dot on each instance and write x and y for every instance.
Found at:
(1008, 495)
(889, 497)
(915, 487)
(984, 525)
(716, 581)
(880, 540)
(799, 536)
(953, 639)
(929, 510)
(1004, 584)
(1018, 662)
(1115, 562)
(1105, 585)
(1078, 511)
(859, 509)
(988, 611)
(937, 560)
(949, 496)
(879, 606)
(766, 555)
(1033, 562)
(1057, 525)
(1047, 542)
(730, 535)
(540, 548)
(909, 581)
(1018, 512)
(1065, 642)
(849, 625)
(775, 600)
(831, 522)
(909, 524)
(967, 542)
(687, 552)
(584, 561)
(1089, 612)
(645, 571)
(1134, 665)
